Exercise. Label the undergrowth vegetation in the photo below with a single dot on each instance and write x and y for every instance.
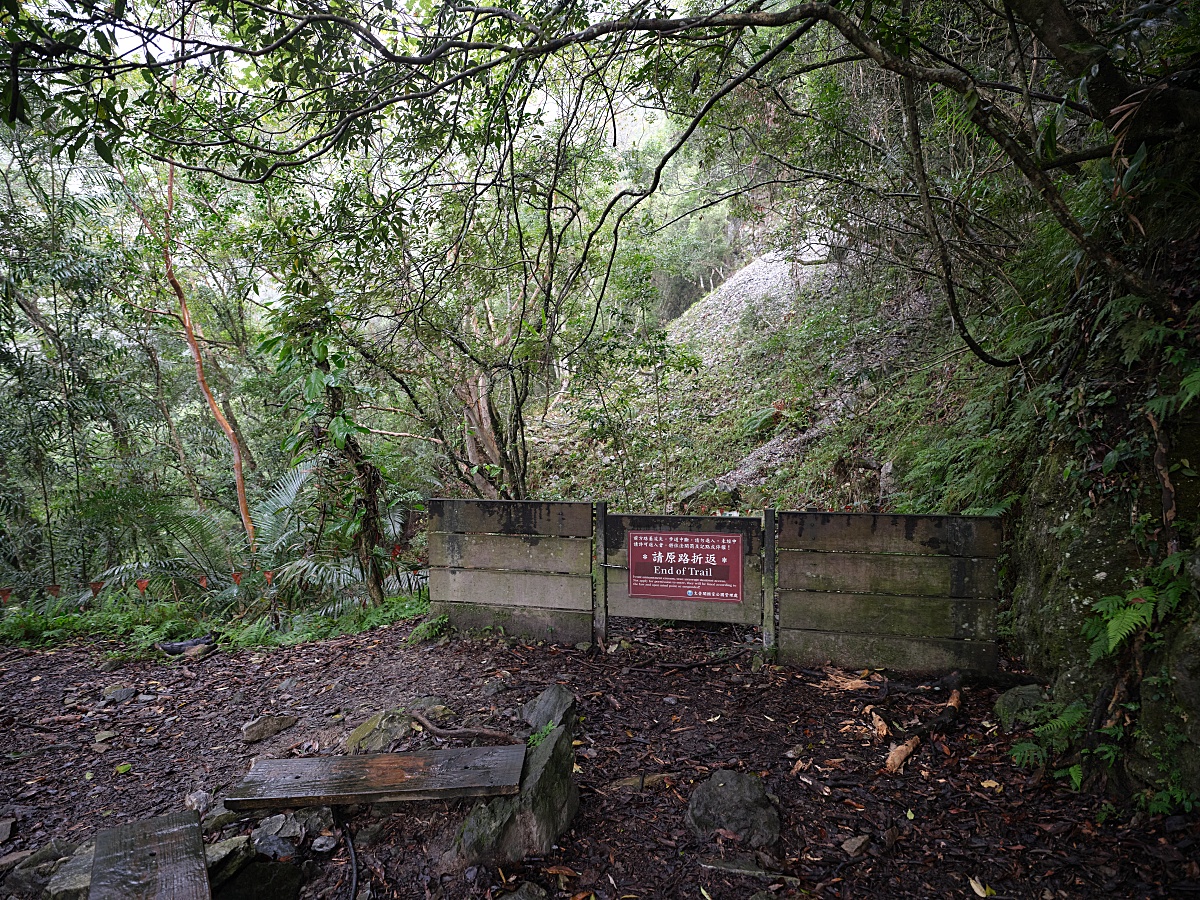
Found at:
(139, 625)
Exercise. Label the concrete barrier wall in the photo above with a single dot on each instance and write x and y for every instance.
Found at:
(526, 567)
(914, 593)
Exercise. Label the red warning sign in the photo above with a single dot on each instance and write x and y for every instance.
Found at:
(685, 565)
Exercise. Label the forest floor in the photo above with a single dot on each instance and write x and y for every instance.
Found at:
(958, 820)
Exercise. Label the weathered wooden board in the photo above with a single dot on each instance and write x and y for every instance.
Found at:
(876, 651)
(617, 527)
(511, 517)
(748, 612)
(160, 858)
(557, 626)
(932, 617)
(972, 536)
(880, 573)
(380, 778)
(524, 552)
(505, 588)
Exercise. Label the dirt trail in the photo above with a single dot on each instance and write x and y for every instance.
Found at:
(959, 810)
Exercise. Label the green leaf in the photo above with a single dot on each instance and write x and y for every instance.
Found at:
(314, 385)
(102, 149)
(123, 768)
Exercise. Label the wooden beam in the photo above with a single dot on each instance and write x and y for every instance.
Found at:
(882, 573)
(498, 587)
(558, 626)
(875, 651)
(930, 617)
(600, 579)
(521, 552)
(380, 778)
(511, 517)
(768, 580)
(154, 859)
(974, 536)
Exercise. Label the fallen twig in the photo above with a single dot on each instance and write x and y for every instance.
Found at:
(461, 733)
(899, 754)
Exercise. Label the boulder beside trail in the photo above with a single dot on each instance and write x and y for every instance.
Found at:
(737, 803)
(379, 732)
(508, 829)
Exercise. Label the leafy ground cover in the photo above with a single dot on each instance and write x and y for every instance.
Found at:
(660, 713)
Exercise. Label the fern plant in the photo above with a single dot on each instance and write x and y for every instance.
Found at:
(1119, 617)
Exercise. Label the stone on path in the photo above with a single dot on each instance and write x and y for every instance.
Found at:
(1015, 701)
(527, 891)
(555, 704)
(32, 874)
(736, 803)
(74, 877)
(225, 859)
(218, 817)
(857, 845)
(379, 732)
(266, 726)
(507, 829)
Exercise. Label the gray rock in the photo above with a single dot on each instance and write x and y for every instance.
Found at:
(366, 835)
(1015, 701)
(200, 801)
(30, 877)
(14, 859)
(737, 803)
(118, 694)
(283, 825)
(273, 847)
(325, 843)
(317, 820)
(6, 828)
(697, 490)
(494, 686)
(266, 726)
(555, 705)
(856, 846)
(226, 858)
(509, 828)
(527, 891)
(74, 877)
(218, 817)
(380, 731)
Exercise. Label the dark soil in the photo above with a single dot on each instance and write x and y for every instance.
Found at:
(959, 810)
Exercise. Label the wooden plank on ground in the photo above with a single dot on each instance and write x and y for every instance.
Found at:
(882, 573)
(976, 536)
(505, 588)
(511, 517)
(749, 612)
(931, 617)
(559, 626)
(876, 651)
(523, 552)
(160, 858)
(380, 778)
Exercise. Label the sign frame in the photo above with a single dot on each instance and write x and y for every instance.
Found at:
(688, 566)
